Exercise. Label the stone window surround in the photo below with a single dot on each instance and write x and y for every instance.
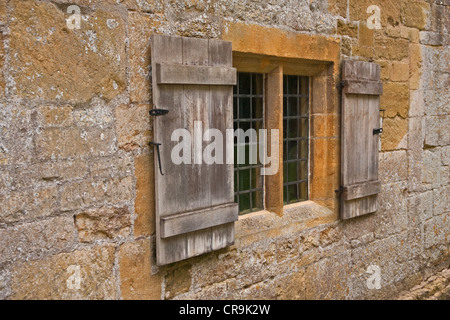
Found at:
(277, 52)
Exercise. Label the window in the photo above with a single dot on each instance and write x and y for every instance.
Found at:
(249, 97)
(295, 138)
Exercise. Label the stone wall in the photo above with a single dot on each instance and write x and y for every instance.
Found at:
(76, 182)
(436, 287)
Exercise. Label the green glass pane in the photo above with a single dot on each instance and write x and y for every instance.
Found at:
(244, 108)
(292, 172)
(292, 106)
(244, 180)
(293, 128)
(292, 85)
(244, 203)
(244, 83)
(293, 193)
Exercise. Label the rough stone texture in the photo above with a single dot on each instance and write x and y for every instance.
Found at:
(436, 287)
(133, 126)
(80, 195)
(55, 277)
(50, 61)
(35, 240)
(144, 203)
(103, 223)
(76, 172)
(137, 281)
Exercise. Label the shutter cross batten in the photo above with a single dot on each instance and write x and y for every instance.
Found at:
(180, 74)
(194, 203)
(360, 142)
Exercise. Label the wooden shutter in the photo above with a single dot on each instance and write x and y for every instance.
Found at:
(195, 211)
(360, 143)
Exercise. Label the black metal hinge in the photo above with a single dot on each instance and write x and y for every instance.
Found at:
(378, 131)
(158, 112)
(340, 190)
(341, 85)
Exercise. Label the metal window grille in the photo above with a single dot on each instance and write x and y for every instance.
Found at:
(295, 138)
(248, 105)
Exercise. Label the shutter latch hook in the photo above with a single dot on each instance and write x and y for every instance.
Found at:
(159, 155)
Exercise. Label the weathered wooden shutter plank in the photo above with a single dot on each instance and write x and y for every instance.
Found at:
(195, 212)
(196, 220)
(176, 74)
(362, 190)
(363, 87)
(220, 54)
(359, 145)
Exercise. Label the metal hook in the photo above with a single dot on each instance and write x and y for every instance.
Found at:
(159, 155)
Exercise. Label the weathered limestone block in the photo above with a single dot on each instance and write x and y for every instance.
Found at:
(83, 194)
(52, 62)
(394, 132)
(81, 274)
(137, 281)
(399, 72)
(140, 30)
(392, 216)
(414, 14)
(349, 29)
(28, 204)
(445, 153)
(411, 14)
(420, 207)
(37, 239)
(291, 286)
(431, 168)
(103, 223)
(436, 287)
(54, 116)
(437, 130)
(442, 203)
(431, 38)
(416, 103)
(393, 166)
(96, 114)
(105, 167)
(144, 205)
(138, 134)
(395, 99)
(329, 278)
(437, 230)
(44, 174)
(3, 38)
(338, 7)
(178, 280)
(5, 282)
(392, 258)
(63, 143)
(391, 49)
(150, 6)
(17, 125)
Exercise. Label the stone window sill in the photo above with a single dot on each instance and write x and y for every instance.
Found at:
(296, 217)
